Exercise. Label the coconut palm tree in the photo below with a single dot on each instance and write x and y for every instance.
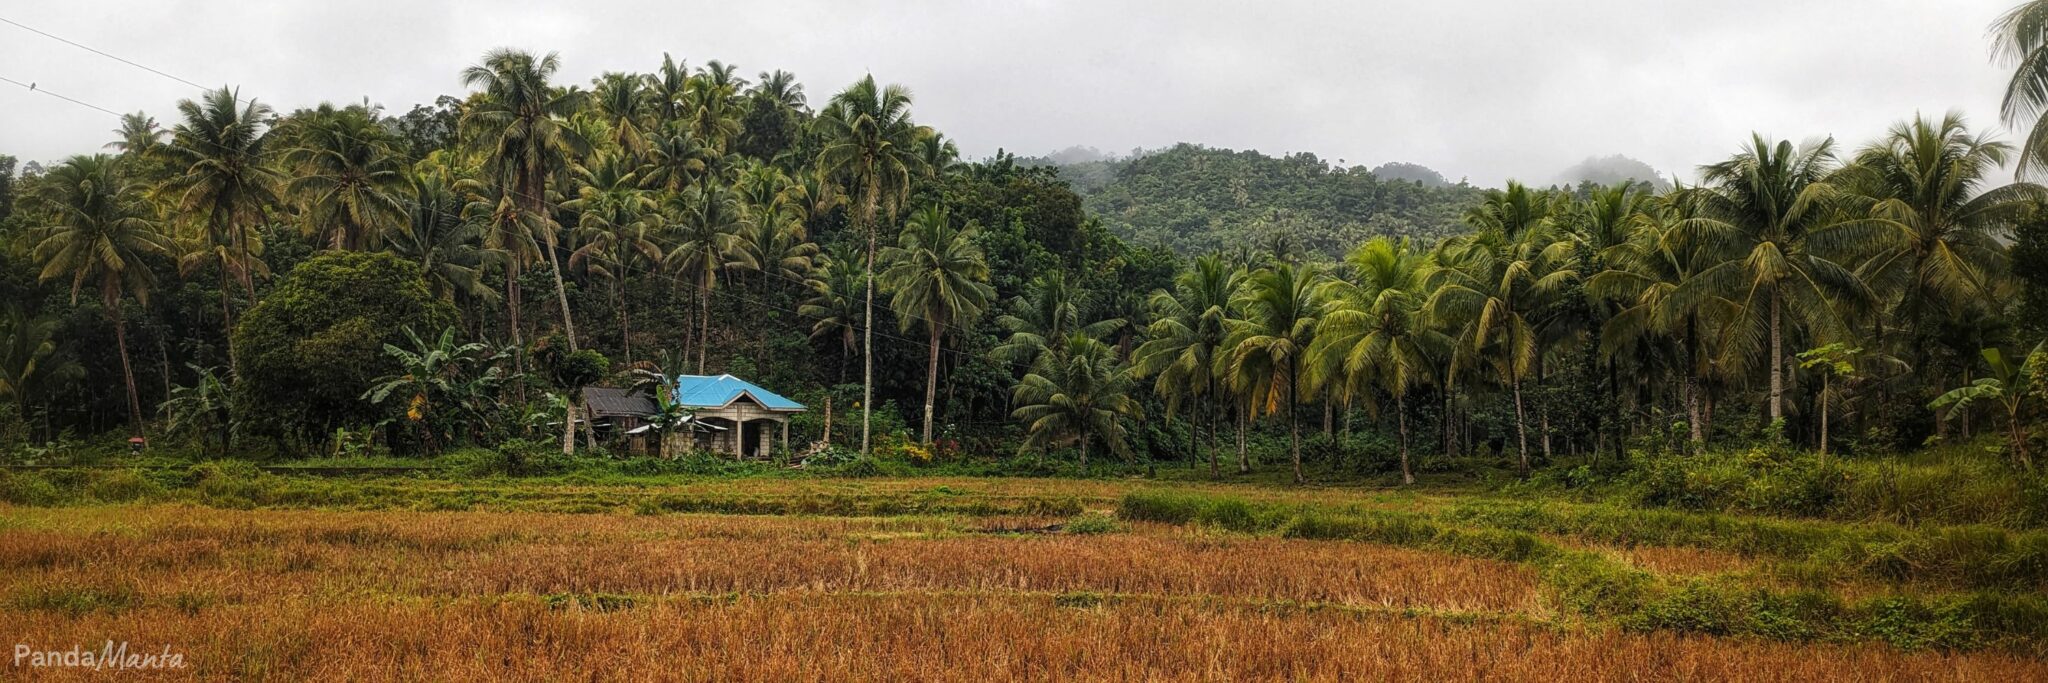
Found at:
(621, 101)
(1187, 332)
(138, 137)
(522, 124)
(96, 230)
(221, 176)
(870, 146)
(1491, 283)
(711, 106)
(1929, 176)
(1051, 310)
(2020, 39)
(1372, 334)
(1267, 348)
(937, 156)
(1774, 213)
(665, 90)
(617, 223)
(835, 288)
(704, 236)
(447, 248)
(777, 242)
(348, 175)
(939, 278)
(1081, 398)
(676, 159)
(512, 232)
(1640, 279)
(781, 87)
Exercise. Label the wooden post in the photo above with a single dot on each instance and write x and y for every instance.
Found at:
(785, 438)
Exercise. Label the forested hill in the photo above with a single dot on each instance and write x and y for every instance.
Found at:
(1197, 199)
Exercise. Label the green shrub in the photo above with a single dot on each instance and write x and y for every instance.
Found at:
(29, 488)
(1091, 523)
(121, 486)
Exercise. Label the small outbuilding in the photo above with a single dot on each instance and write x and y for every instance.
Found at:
(742, 418)
(619, 414)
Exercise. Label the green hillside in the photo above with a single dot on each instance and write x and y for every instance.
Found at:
(1197, 199)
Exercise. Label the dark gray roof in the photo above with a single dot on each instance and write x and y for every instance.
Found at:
(607, 402)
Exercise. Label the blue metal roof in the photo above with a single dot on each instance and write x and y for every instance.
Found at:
(706, 391)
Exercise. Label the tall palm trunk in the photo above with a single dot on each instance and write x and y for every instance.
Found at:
(1777, 365)
(127, 373)
(227, 316)
(569, 424)
(867, 332)
(534, 188)
(1244, 464)
(1294, 424)
(1823, 417)
(703, 325)
(931, 383)
(1401, 414)
(1521, 425)
(1694, 413)
(1213, 419)
(561, 294)
(512, 325)
(625, 324)
(1084, 452)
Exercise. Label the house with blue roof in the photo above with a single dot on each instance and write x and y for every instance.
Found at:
(735, 416)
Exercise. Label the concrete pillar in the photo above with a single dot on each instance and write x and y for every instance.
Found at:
(785, 438)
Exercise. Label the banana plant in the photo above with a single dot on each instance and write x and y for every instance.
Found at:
(2009, 386)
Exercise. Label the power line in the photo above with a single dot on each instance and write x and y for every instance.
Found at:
(34, 87)
(99, 52)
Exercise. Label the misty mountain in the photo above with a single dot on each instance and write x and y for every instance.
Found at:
(1402, 170)
(1613, 169)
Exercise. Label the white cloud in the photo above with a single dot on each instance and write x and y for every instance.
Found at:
(1481, 89)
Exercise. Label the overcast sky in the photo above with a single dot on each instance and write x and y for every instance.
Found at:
(1480, 89)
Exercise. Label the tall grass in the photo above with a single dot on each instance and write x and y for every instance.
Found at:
(1589, 583)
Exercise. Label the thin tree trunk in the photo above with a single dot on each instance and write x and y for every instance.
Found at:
(1450, 428)
(1401, 413)
(127, 373)
(1694, 415)
(1521, 428)
(703, 326)
(1213, 419)
(1823, 417)
(1084, 454)
(1294, 436)
(867, 331)
(562, 294)
(625, 323)
(227, 317)
(1244, 463)
(1777, 366)
(569, 424)
(931, 383)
